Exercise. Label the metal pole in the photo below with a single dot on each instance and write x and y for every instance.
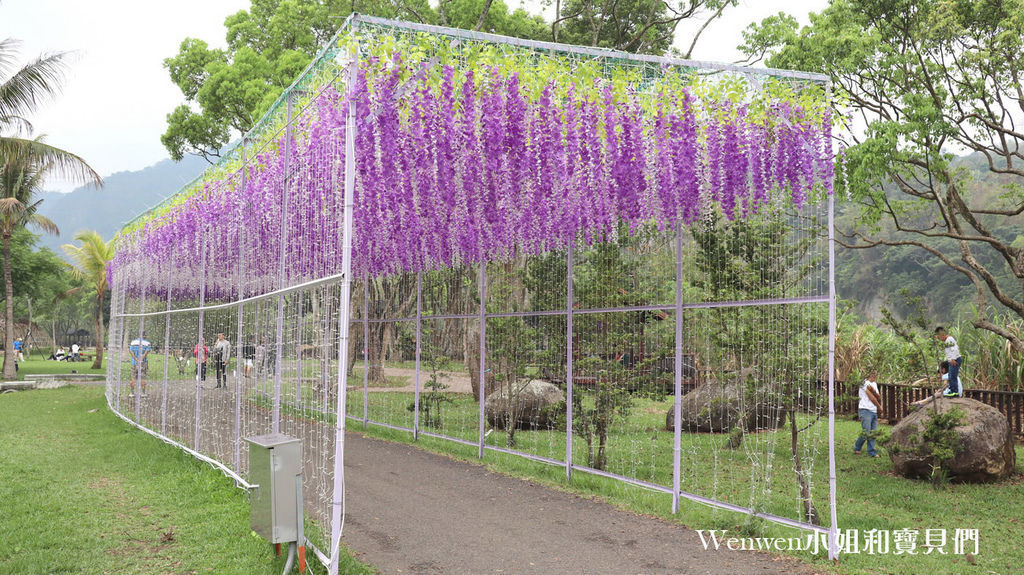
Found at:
(297, 337)
(483, 362)
(337, 504)
(419, 333)
(239, 360)
(569, 302)
(833, 530)
(279, 344)
(167, 352)
(201, 346)
(120, 343)
(677, 419)
(325, 367)
(138, 360)
(366, 352)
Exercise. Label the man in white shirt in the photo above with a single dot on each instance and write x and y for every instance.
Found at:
(75, 349)
(952, 352)
(867, 409)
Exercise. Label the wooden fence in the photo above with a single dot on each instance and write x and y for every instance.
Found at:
(896, 400)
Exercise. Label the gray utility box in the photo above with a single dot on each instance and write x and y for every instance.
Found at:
(275, 467)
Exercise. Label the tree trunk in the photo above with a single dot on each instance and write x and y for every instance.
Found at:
(9, 359)
(809, 512)
(98, 362)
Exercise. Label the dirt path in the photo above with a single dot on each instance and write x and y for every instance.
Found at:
(457, 381)
(411, 511)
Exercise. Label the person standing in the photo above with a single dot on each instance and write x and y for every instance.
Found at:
(953, 356)
(248, 356)
(867, 409)
(18, 347)
(75, 350)
(201, 352)
(221, 354)
(138, 350)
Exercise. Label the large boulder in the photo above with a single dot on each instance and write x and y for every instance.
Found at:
(535, 403)
(985, 443)
(720, 405)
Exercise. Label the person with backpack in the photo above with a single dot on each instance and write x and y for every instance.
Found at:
(867, 409)
(138, 351)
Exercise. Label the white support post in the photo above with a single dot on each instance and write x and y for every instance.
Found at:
(419, 334)
(483, 360)
(569, 303)
(239, 360)
(833, 529)
(279, 339)
(678, 377)
(139, 374)
(201, 345)
(344, 313)
(167, 351)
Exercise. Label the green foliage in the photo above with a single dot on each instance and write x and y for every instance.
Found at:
(994, 363)
(89, 261)
(36, 273)
(915, 331)
(270, 44)
(941, 442)
(611, 346)
(645, 26)
(929, 77)
(433, 400)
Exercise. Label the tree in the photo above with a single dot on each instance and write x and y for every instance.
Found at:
(37, 278)
(929, 79)
(20, 178)
(227, 91)
(89, 264)
(24, 163)
(643, 26)
(764, 257)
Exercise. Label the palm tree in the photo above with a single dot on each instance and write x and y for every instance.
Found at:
(20, 176)
(90, 260)
(25, 162)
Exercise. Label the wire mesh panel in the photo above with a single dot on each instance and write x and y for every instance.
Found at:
(611, 262)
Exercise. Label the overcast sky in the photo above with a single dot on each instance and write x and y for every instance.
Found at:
(114, 105)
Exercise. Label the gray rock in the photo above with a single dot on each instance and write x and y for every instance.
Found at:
(720, 405)
(532, 401)
(985, 443)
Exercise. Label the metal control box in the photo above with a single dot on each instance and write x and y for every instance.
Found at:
(275, 467)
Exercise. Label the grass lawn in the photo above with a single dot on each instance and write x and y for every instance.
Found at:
(83, 492)
(36, 365)
(869, 495)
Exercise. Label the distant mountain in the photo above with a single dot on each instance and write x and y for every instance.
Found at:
(124, 195)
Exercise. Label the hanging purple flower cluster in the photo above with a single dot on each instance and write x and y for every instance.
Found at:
(466, 167)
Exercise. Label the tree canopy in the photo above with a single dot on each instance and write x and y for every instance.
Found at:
(227, 90)
(929, 80)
